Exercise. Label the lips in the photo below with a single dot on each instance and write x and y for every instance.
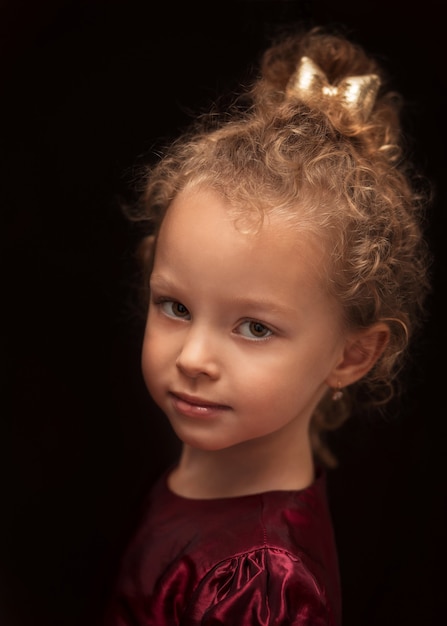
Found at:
(194, 406)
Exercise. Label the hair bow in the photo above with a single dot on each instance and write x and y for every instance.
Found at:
(356, 93)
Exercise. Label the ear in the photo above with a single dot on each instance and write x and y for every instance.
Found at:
(361, 351)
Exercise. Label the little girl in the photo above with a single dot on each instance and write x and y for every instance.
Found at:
(288, 272)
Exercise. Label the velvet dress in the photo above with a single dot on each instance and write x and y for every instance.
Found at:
(255, 560)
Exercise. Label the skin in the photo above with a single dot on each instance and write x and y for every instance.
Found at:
(241, 343)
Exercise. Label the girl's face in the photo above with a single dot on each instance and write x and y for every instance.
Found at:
(241, 335)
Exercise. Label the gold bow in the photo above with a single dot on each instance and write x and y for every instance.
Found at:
(356, 93)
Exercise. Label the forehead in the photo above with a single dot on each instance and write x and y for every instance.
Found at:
(204, 212)
(201, 232)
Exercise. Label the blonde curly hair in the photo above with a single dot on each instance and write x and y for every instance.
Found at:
(319, 167)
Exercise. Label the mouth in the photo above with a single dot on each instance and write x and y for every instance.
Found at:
(193, 406)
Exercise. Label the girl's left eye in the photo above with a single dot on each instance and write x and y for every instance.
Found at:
(254, 330)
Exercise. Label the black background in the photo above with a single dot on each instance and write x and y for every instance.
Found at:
(88, 89)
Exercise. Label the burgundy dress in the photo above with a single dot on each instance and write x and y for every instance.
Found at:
(256, 560)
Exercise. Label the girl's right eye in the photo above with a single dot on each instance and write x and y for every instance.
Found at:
(171, 308)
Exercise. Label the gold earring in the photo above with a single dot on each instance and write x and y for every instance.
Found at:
(337, 393)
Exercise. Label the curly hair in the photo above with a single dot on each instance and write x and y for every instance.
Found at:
(318, 166)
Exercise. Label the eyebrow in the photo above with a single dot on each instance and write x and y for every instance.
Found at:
(162, 282)
(264, 304)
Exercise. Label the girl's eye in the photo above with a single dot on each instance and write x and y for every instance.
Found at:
(171, 308)
(254, 330)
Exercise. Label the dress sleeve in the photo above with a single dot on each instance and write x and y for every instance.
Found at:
(263, 587)
(266, 587)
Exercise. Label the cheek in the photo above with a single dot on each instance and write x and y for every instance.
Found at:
(283, 381)
(267, 380)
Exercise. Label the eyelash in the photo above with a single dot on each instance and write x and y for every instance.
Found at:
(162, 302)
(256, 337)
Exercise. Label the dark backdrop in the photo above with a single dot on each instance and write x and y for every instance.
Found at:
(87, 90)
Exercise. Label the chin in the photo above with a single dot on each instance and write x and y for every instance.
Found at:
(206, 444)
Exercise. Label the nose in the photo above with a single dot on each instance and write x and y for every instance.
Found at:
(198, 355)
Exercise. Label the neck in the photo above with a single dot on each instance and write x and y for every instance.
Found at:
(269, 463)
